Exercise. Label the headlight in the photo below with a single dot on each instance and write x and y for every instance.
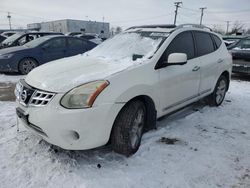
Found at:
(18, 90)
(5, 56)
(83, 96)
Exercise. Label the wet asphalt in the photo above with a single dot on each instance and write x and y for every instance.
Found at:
(7, 91)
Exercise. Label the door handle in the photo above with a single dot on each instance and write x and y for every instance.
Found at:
(220, 61)
(196, 68)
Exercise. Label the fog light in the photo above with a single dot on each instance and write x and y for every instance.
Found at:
(74, 135)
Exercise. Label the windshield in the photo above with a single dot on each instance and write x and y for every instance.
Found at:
(12, 38)
(36, 42)
(129, 45)
(243, 44)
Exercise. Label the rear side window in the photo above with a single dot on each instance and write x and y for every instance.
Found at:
(204, 43)
(217, 41)
(56, 43)
(88, 37)
(75, 43)
(182, 43)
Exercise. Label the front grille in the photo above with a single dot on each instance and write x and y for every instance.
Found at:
(30, 96)
(41, 98)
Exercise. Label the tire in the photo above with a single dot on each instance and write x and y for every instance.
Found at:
(219, 93)
(128, 128)
(26, 65)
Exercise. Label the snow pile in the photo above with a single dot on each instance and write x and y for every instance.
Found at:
(198, 147)
(10, 78)
(123, 46)
(238, 48)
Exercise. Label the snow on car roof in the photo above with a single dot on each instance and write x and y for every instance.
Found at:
(165, 30)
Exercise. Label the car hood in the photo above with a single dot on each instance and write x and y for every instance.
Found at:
(62, 75)
(10, 50)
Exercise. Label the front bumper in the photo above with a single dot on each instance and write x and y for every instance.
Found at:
(73, 129)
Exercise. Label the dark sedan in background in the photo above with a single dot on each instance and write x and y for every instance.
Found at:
(24, 58)
(241, 56)
(231, 39)
(22, 38)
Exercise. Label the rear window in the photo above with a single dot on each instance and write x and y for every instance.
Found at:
(75, 43)
(217, 41)
(204, 43)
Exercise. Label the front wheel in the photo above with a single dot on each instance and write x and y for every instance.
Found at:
(26, 65)
(128, 128)
(219, 93)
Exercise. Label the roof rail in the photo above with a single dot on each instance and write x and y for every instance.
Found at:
(193, 25)
(170, 26)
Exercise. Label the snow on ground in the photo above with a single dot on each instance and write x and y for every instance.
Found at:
(10, 78)
(213, 151)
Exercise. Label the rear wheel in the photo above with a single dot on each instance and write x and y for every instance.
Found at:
(26, 65)
(219, 93)
(128, 128)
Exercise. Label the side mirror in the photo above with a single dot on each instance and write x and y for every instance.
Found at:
(177, 59)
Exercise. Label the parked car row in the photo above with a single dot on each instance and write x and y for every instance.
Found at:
(23, 51)
(24, 58)
(241, 56)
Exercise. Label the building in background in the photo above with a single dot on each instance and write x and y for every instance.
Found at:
(68, 25)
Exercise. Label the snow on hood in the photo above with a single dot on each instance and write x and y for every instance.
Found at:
(125, 45)
(65, 74)
(110, 57)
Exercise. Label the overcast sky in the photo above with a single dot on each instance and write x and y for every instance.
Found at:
(125, 13)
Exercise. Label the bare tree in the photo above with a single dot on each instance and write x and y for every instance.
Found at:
(248, 31)
(237, 27)
(118, 30)
(218, 29)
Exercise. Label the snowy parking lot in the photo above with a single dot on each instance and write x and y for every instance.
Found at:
(197, 147)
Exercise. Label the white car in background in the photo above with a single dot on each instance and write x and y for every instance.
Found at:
(116, 91)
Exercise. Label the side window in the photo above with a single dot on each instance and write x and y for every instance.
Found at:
(56, 43)
(217, 41)
(75, 43)
(88, 37)
(204, 43)
(182, 43)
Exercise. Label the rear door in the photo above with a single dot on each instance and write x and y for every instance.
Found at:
(179, 84)
(54, 49)
(209, 61)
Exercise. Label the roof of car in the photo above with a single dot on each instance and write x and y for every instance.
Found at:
(167, 27)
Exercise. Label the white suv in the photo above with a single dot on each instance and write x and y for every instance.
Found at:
(116, 91)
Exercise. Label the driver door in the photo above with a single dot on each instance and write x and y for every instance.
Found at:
(179, 84)
(54, 49)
